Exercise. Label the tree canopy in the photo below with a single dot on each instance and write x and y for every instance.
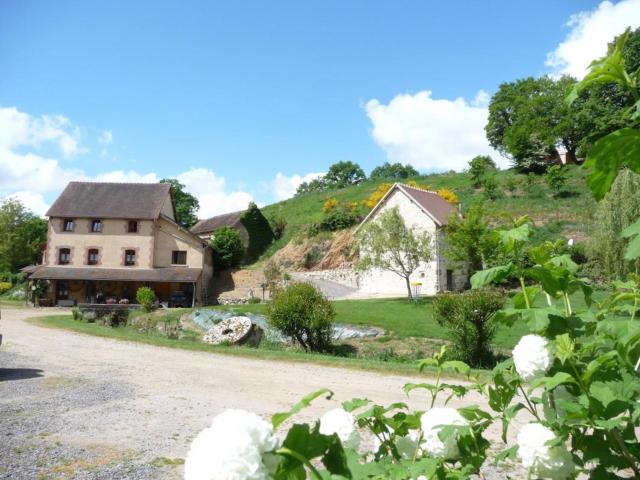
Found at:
(186, 204)
(340, 175)
(227, 247)
(479, 166)
(394, 171)
(22, 235)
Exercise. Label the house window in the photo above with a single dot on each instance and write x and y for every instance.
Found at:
(129, 257)
(69, 225)
(179, 257)
(96, 226)
(64, 256)
(62, 290)
(92, 256)
(133, 226)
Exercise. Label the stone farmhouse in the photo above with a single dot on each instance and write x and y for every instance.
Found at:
(105, 240)
(205, 228)
(422, 211)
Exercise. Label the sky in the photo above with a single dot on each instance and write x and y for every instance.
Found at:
(243, 100)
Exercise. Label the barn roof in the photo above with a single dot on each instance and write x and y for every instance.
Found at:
(429, 202)
(210, 225)
(111, 200)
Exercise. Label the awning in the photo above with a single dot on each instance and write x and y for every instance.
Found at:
(165, 274)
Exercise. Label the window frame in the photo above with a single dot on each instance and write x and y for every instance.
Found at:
(67, 254)
(130, 223)
(97, 254)
(174, 257)
(67, 221)
(126, 261)
(94, 222)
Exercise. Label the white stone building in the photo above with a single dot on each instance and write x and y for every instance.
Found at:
(424, 211)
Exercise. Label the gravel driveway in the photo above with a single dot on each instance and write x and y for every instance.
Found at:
(78, 406)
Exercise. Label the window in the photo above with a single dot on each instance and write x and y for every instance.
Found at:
(62, 290)
(133, 226)
(129, 257)
(64, 256)
(96, 226)
(92, 256)
(69, 225)
(179, 257)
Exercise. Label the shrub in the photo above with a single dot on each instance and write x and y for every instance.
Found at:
(491, 187)
(556, 178)
(312, 257)
(479, 166)
(449, 195)
(5, 287)
(259, 230)
(76, 314)
(329, 205)
(254, 300)
(468, 317)
(227, 247)
(278, 225)
(146, 297)
(339, 218)
(302, 312)
(377, 195)
(272, 275)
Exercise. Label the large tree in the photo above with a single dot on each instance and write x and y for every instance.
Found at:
(479, 166)
(394, 171)
(22, 235)
(387, 243)
(186, 204)
(343, 174)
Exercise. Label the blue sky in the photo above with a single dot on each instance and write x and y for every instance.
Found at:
(227, 95)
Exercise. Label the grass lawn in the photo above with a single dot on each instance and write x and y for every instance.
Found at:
(399, 317)
(6, 302)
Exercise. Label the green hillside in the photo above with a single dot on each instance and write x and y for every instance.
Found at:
(569, 213)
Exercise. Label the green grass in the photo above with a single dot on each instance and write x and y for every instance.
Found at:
(6, 302)
(570, 213)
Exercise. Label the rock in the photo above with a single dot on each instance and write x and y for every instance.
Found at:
(230, 330)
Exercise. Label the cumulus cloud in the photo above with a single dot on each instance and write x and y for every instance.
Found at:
(432, 134)
(33, 201)
(210, 190)
(589, 33)
(285, 187)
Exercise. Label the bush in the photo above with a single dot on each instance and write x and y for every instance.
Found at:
(278, 225)
(259, 230)
(339, 218)
(491, 188)
(254, 300)
(556, 178)
(76, 314)
(302, 312)
(5, 287)
(146, 298)
(312, 257)
(468, 316)
(227, 247)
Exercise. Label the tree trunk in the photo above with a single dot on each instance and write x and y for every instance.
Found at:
(406, 279)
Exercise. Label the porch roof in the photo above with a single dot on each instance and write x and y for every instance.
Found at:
(165, 274)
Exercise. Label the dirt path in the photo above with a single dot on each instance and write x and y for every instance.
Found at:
(109, 408)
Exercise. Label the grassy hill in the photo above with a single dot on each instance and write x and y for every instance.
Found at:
(568, 214)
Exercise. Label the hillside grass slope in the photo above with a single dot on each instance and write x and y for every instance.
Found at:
(569, 214)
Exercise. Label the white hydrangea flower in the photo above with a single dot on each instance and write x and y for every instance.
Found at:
(432, 423)
(343, 424)
(543, 461)
(231, 449)
(531, 357)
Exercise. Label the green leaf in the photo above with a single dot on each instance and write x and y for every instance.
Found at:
(633, 249)
(519, 301)
(456, 366)
(409, 387)
(427, 363)
(508, 454)
(538, 318)
(552, 382)
(489, 276)
(565, 347)
(355, 403)
(608, 155)
(335, 460)
(278, 418)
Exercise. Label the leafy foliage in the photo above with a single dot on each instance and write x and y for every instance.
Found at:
(343, 174)
(449, 195)
(146, 297)
(377, 195)
(469, 318)
(301, 312)
(22, 236)
(393, 171)
(227, 247)
(186, 205)
(259, 231)
(556, 178)
(387, 243)
(470, 240)
(479, 166)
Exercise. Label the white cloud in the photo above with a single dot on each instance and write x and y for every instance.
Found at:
(106, 137)
(590, 32)
(432, 134)
(285, 187)
(210, 191)
(121, 176)
(33, 201)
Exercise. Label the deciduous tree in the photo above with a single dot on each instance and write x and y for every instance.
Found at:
(186, 204)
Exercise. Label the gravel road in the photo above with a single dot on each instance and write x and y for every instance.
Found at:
(84, 407)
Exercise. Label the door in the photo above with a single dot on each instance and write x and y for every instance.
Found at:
(62, 290)
(450, 280)
(91, 292)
